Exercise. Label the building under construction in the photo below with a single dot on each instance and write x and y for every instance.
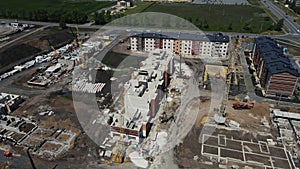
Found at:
(277, 75)
(142, 95)
(9, 102)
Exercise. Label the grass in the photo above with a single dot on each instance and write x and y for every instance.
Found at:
(139, 7)
(215, 15)
(88, 6)
(259, 4)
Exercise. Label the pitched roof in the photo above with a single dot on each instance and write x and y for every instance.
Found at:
(276, 68)
(275, 61)
(184, 36)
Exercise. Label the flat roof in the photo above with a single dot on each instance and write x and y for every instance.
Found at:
(54, 67)
(283, 114)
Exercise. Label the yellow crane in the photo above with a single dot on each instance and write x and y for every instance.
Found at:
(56, 56)
(118, 153)
(79, 43)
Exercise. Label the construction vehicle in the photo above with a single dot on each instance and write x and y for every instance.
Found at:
(56, 55)
(243, 105)
(7, 154)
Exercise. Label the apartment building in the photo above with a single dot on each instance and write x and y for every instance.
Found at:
(186, 44)
(143, 94)
(277, 75)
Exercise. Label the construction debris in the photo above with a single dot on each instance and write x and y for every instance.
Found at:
(138, 160)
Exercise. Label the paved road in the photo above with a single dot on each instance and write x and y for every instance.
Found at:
(288, 20)
(295, 37)
(23, 36)
(247, 77)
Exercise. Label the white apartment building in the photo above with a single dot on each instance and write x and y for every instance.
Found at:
(186, 44)
(186, 47)
(168, 45)
(149, 44)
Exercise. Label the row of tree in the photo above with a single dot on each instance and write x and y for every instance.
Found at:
(105, 17)
(45, 15)
(293, 6)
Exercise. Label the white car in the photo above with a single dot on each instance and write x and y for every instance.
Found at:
(298, 31)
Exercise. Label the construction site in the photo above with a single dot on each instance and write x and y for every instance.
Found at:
(153, 109)
(240, 130)
(140, 132)
(144, 125)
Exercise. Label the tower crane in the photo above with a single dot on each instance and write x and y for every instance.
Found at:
(79, 43)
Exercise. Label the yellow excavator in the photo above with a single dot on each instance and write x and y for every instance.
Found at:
(56, 54)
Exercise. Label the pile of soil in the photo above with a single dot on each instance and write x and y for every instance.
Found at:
(16, 53)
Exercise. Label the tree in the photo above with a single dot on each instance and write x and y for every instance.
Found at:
(230, 26)
(62, 23)
(99, 19)
(205, 24)
(279, 25)
(107, 16)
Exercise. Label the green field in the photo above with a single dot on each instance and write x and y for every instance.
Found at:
(87, 6)
(139, 7)
(235, 18)
(72, 11)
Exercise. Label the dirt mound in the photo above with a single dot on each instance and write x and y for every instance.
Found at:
(38, 43)
(16, 52)
(57, 38)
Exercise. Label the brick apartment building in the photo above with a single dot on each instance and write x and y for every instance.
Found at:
(277, 75)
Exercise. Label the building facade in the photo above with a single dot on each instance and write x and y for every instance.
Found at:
(277, 75)
(185, 44)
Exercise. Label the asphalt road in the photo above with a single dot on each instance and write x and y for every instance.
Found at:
(288, 20)
(293, 36)
(23, 36)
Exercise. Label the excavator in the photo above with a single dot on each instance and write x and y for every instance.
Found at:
(56, 54)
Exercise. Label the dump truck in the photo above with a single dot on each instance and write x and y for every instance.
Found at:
(243, 105)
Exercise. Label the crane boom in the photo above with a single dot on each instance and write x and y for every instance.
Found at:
(56, 53)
